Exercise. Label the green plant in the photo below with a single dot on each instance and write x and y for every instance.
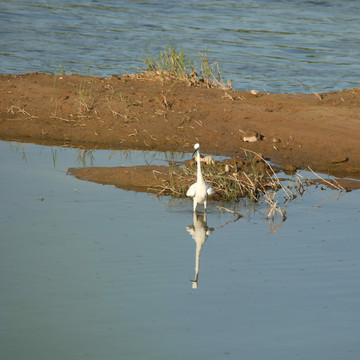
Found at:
(175, 64)
(59, 71)
(86, 98)
(171, 61)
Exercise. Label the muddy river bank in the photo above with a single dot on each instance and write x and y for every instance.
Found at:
(320, 131)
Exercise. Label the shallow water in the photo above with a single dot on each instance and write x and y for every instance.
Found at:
(260, 44)
(91, 271)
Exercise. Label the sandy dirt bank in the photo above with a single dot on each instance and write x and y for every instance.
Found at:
(139, 111)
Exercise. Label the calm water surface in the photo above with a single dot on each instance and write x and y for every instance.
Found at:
(94, 272)
(262, 44)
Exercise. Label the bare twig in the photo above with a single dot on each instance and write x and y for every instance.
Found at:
(23, 111)
(308, 87)
(230, 211)
(336, 185)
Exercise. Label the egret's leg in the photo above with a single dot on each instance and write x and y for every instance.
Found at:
(195, 205)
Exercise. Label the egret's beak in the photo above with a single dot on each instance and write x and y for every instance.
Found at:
(194, 153)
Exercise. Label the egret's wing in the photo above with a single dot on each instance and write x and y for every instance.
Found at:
(209, 189)
(192, 190)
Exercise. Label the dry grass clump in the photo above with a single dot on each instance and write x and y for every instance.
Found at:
(176, 65)
(251, 177)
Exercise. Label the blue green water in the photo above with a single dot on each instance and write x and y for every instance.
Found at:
(259, 44)
(94, 272)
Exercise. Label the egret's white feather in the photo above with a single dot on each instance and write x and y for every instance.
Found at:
(200, 190)
(209, 189)
(191, 191)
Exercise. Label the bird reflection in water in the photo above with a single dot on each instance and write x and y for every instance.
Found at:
(199, 232)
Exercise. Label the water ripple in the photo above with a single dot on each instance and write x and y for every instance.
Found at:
(259, 44)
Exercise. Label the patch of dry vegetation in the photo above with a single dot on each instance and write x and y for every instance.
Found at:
(251, 176)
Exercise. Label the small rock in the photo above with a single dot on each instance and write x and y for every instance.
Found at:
(276, 140)
(114, 77)
(289, 169)
(254, 92)
(227, 168)
(252, 138)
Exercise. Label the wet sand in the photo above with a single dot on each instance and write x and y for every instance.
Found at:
(321, 131)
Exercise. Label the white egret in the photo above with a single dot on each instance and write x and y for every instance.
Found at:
(200, 190)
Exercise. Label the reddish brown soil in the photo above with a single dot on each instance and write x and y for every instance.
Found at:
(144, 112)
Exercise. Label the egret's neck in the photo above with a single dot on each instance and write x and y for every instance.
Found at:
(199, 173)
